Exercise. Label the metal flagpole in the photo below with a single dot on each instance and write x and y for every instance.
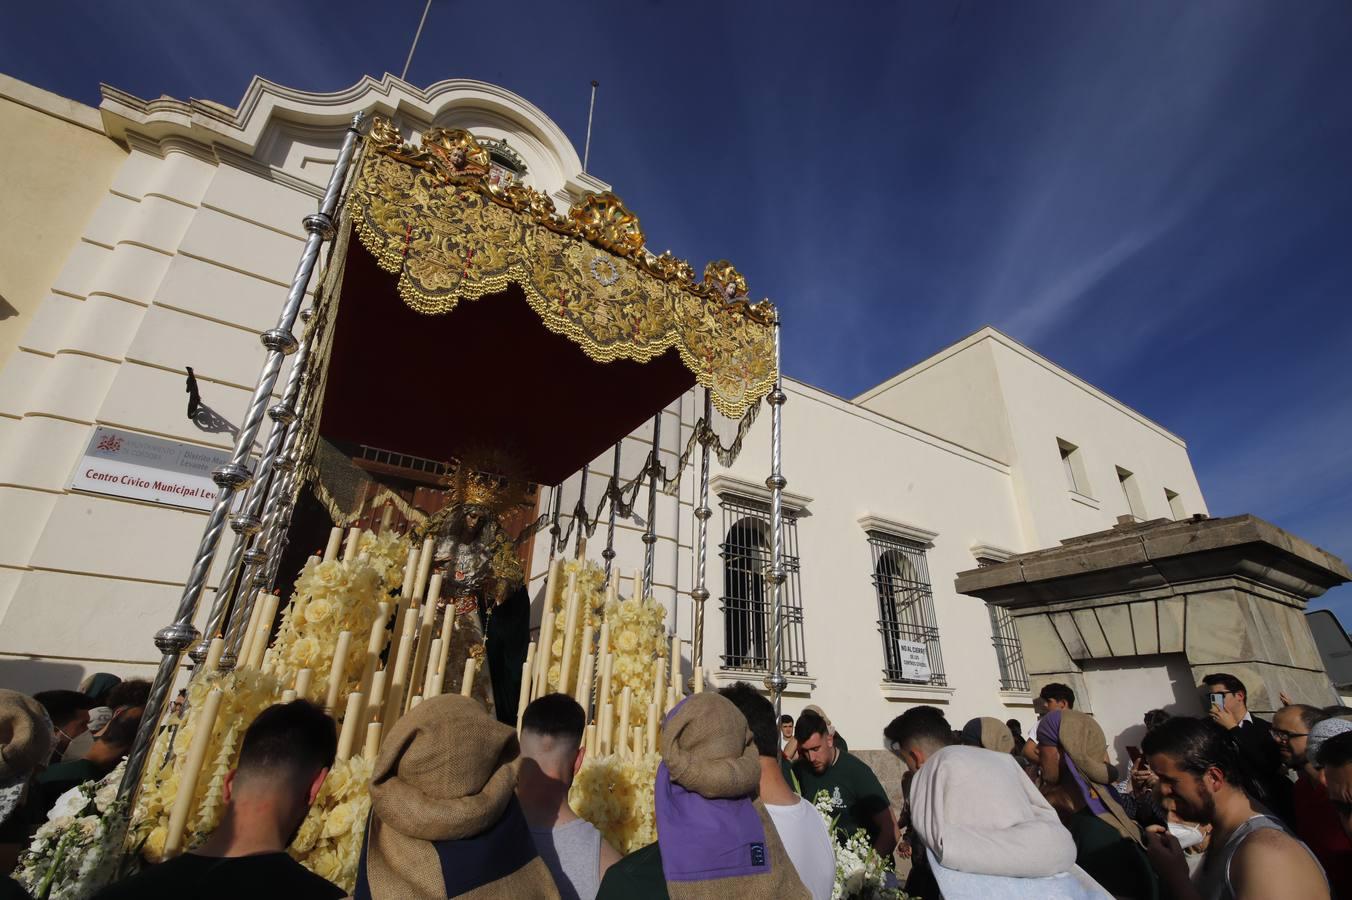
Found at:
(650, 536)
(775, 681)
(586, 150)
(247, 523)
(613, 493)
(700, 593)
(414, 46)
(173, 639)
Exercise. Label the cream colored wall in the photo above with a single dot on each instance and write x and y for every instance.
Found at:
(57, 165)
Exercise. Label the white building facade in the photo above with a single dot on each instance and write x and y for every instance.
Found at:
(173, 241)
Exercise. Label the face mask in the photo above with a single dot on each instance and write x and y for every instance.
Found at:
(1186, 835)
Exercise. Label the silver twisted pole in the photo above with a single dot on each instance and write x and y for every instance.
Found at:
(775, 681)
(173, 639)
(278, 506)
(700, 593)
(246, 523)
(613, 492)
(650, 535)
(580, 520)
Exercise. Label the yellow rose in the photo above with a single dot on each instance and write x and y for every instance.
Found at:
(318, 609)
(154, 845)
(340, 820)
(309, 832)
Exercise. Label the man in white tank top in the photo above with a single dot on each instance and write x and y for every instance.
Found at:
(551, 755)
(1252, 855)
(801, 828)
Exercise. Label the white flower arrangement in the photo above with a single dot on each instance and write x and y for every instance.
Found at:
(860, 871)
(77, 850)
(616, 796)
(329, 840)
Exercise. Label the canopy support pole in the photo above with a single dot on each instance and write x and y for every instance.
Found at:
(775, 681)
(555, 501)
(581, 521)
(650, 535)
(700, 593)
(613, 494)
(175, 638)
(246, 524)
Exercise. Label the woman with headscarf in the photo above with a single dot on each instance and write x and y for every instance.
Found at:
(1076, 778)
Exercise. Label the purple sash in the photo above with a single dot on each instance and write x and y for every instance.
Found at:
(703, 839)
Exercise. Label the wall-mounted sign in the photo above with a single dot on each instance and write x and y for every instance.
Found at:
(126, 464)
(914, 661)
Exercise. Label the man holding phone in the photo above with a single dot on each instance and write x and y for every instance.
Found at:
(1227, 703)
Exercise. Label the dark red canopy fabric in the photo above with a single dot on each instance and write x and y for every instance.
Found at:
(484, 380)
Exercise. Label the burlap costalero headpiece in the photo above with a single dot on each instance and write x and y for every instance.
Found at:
(444, 818)
(715, 841)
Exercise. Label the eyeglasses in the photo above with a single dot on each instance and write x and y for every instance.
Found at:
(1284, 737)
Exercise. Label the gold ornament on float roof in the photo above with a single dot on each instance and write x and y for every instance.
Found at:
(430, 215)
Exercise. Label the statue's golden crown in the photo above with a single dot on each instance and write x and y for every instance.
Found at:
(498, 493)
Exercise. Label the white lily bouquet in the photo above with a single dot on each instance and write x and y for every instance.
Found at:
(860, 871)
(77, 850)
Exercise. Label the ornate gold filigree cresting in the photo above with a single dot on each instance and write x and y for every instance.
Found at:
(429, 214)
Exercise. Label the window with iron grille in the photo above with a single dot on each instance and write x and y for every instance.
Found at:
(905, 606)
(748, 594)
(1008, 650)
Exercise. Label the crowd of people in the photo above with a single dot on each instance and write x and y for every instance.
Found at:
(1226, 806)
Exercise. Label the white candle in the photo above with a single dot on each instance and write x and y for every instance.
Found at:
(430, 682)
(374, 644)
(213, 660)
(699, 679)
(250, 630)
(335, 541)
(351, 717)
(303, 679)
(386, 516)
(584, 684)
(421, 648)
(521, 699)
(414, 701)
(187, 782)
(636, 745)
(265, 617)
(424, 567)
(337, 671)
(398, 679)
(527, 693)
(607, 729)
(371, 748)
(410, 574)
(652, 727)
(626, 696)
(659, 682)
(552, 583)
(569, 627)
(544, 654)
(607, 670)
(375, 705)
(467, 682)
(353, 538)
(675, 660)
(591, 739)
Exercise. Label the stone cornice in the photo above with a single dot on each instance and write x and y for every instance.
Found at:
(730, 484)
(243, 129)
(899, 529)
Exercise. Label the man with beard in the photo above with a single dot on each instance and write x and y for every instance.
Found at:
(1316, 821)
(285, 756)
(1252, 854)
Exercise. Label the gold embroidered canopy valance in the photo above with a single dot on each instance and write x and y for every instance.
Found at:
(430, 215)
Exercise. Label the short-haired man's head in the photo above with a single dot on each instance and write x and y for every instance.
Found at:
(1335, 758)
(1195, 760)
(120, 732)
(1057, 696)
(916, 734)
(1226, 682)
(808, 724)
(1154, 718)
(65, 707)
(289, 743)
(760, 716)
(554, 721)
(135, 692)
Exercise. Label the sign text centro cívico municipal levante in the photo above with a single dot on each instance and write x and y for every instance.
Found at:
(126, 464)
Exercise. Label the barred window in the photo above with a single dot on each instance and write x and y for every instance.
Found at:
(1005, 637)
(748, 595)
(905, 610)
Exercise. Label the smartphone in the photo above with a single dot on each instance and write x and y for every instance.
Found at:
(1135, 754)
(1217, 700)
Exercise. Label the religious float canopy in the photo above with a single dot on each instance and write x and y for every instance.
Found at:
(505, 262)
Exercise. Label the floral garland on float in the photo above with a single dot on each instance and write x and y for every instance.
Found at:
(620, 680)
(77, 850)
(861, 873)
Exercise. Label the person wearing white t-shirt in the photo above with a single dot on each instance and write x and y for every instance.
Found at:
(801, 828)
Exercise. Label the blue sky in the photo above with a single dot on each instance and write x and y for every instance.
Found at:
(1154, 194)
